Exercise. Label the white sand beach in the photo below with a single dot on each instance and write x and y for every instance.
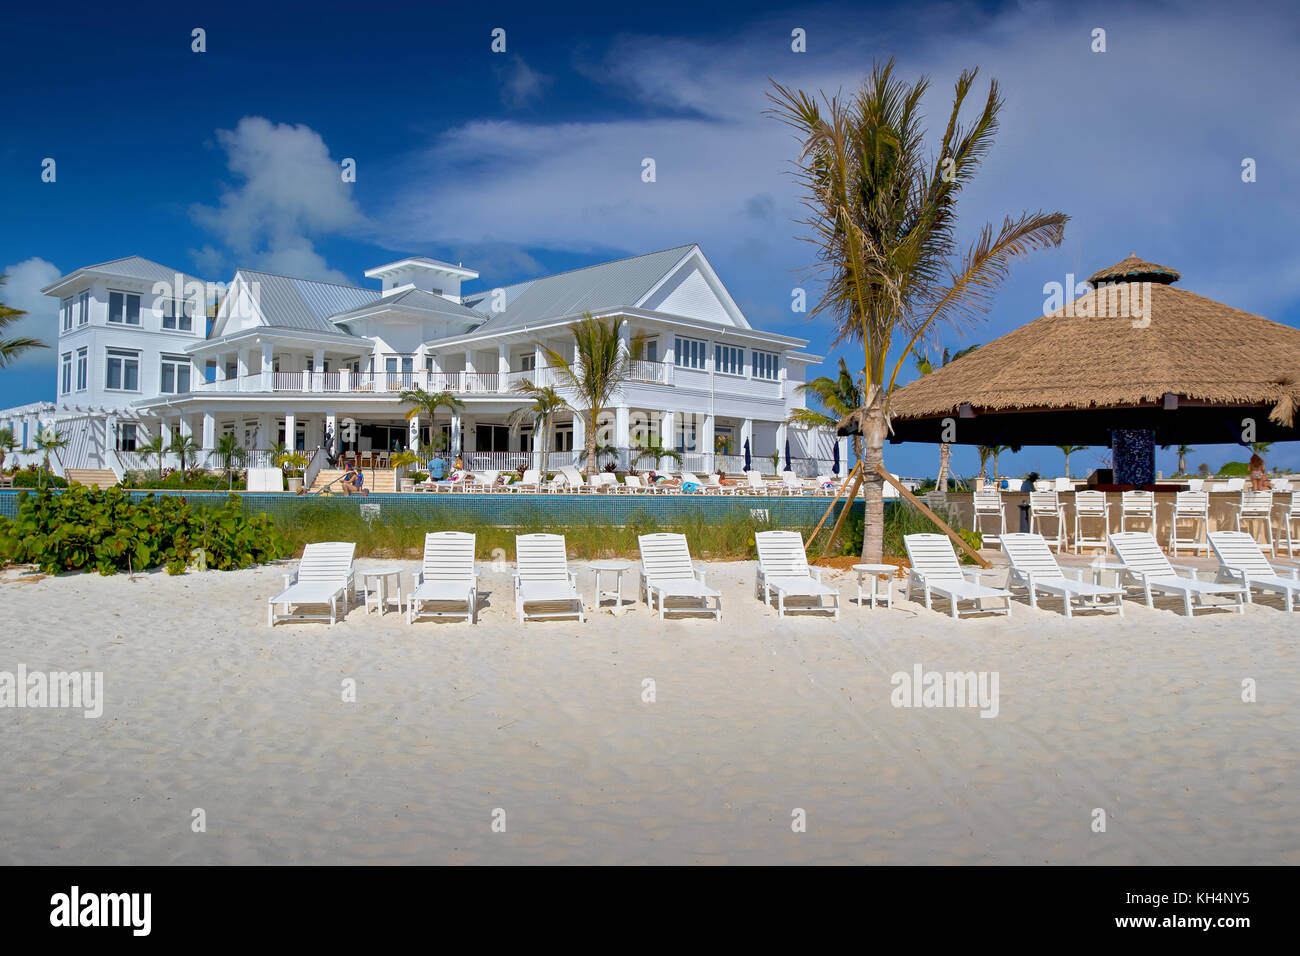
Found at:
(206, 707)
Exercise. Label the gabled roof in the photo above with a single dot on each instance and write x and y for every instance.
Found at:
(414, 300)
(623, 282)
(304, 304)
(130, 267)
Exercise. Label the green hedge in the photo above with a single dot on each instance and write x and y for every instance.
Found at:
(85, 529)
(29, 477)
(194, 481)
(1235, 469)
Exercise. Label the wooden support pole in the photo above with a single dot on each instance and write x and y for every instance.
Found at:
(844, 512)
(921, 506)
(831, 507)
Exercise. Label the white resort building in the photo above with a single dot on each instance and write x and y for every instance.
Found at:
(318, 366)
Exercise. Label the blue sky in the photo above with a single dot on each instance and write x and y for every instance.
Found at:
(529, 161)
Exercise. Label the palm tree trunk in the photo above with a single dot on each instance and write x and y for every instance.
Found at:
(873, 523)
(1067, 464)
(945, 457)
(591, 443)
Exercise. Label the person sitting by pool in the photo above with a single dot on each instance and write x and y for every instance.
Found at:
(353, 483)
(726, 482)
(437, 468)
(459, 466)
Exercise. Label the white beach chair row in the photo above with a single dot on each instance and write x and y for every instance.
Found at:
(446, 585)
(568, 480)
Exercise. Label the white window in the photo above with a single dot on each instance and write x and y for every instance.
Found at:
(177, 314)
(124, 307)
(528, 362)
(124, 438)
(690, 353)
(123, 370)
(82, 361)
(65, 374)
(175, 378)
(83, 308)
(729, 359)
(65, 310)
(650, 350)
(765, 364)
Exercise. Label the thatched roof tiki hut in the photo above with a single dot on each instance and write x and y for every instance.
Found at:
(1133, 363)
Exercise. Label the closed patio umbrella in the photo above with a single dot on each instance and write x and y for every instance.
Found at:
(787, 454)
(747, 462)
(835, 459)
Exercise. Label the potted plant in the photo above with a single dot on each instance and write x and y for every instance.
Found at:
(406, 459)
(293, 465)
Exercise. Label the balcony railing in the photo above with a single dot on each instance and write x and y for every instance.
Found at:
(657, 373)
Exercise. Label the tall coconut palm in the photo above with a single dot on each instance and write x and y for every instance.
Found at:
(7, 444)
(883, 217)
(10, 349)
(597, 370)
(985, 453)
(1069, 450)
(1183, 451)
(925, 367)
(839, 396)
(547, 402)
(428, 404)
(995, 451)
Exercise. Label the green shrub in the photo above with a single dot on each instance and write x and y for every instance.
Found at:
(194, 480)
(30, 478)
(417, 476)
(85, 529)
(1235, 469)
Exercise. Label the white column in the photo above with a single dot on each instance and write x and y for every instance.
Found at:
(579, 433)
(241, 362)
(503, 368)
(268, 366)
(331, 428)
(209, 431)
(290, 431)
(265, 436)
(413, 434)
(781, 436)
(457, 442)
(622, 431)
(221, 368)
(747, 435)
(706, 439)
(318, 370)
(668, 434)
(539, 363)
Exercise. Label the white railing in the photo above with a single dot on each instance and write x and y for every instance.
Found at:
(658, 373)
(497, 460)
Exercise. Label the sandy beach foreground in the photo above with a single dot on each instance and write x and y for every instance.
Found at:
(751, 721)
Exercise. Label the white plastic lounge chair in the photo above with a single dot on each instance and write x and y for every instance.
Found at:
(1147, 565)
(667, 572)
(1139, 505)
(322, 577)
(1241, 561)
(448, 576)
(935, 570)
(542, 576)
(790, 482)
(1046, 508)
(1091, 506)
(1035, 567)
(530, 483)
(1289, 519)
(701, 487)
(1192, 509)
(573, 478)
(783, 569)
(988, 507)
(757, 485)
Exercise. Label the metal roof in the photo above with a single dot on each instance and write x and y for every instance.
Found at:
(623, 282)
(131, 267)
(416, 300)
(288, 303)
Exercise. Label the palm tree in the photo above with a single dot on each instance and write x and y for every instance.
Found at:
(48, 440)
(925, 367)
(183, 447)
(654, 449)
(883, 217)
(1183, 452)
(1260, 447)
(985, 453)
(995, 451)
(541, 415)
(598, 369)
(154, 448)
(10, 349)
(230, 453)
(839, 396)
(7, 444)
(428, 404)
(1069, 450)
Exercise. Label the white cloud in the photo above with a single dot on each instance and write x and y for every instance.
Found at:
(519, 83)
(291, 192)
(22, 290)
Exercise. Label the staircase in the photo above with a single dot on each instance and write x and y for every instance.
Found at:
(378, 480)
(91, 477)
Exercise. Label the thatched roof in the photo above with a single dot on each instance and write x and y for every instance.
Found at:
(1192, 347)
(1134, 269)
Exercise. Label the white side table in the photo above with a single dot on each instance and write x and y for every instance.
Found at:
(874, 572)
(617, 567)
(376, 582)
